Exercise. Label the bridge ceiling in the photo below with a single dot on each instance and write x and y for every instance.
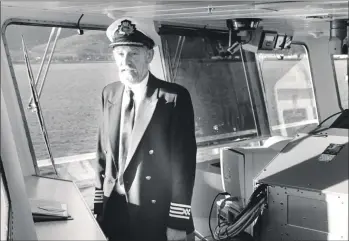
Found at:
(299, 16)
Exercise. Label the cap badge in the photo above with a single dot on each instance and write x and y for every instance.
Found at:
(126, 27)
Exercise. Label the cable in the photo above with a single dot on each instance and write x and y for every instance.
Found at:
(209, 218)
(246, 221)
(226, 230)
(322, 122)
(80, 30)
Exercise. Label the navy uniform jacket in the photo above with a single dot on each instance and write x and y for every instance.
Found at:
(160, 167)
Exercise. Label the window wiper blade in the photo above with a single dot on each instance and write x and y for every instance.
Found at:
(37, 103)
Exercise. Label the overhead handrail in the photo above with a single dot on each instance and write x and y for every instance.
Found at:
(37, 103)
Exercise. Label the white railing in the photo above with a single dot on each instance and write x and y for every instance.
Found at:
(202, 154)
(295, 124)
(92, 155)
(67, 159)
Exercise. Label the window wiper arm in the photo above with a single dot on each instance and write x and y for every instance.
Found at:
(37, 103)
(36, 83)
(177, 56)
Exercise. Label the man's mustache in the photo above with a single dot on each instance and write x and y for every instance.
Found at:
(128, 69)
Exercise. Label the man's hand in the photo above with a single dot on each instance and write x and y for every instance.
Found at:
(176, 235)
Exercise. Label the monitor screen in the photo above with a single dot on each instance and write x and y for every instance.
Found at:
(5, 225)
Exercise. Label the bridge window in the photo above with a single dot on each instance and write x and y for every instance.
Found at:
(340, 63)
(217, 84)
(288, 90)
(81, 65)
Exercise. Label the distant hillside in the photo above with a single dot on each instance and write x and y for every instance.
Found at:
(91, 46)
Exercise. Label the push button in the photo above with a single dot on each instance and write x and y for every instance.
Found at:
(153, 201)
(148, 177)
(151, 152)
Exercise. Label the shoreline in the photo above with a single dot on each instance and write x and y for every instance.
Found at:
(80, 62)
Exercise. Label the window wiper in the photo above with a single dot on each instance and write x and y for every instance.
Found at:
(37, 103)
(175, 62)
(177, 57)
(31, 105)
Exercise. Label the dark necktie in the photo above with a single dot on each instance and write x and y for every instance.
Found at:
(129, 113)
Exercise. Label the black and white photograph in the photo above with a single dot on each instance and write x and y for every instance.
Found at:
(166, 120)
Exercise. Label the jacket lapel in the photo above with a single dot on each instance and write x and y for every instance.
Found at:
(144, 115)
(114, 111)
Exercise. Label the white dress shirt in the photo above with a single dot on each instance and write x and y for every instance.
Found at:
(139, 93)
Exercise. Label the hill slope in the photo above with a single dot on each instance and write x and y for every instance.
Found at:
(92, 45)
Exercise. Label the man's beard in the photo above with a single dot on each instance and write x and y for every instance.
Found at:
(129, 77)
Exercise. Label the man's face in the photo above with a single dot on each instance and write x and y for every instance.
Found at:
(132, 62)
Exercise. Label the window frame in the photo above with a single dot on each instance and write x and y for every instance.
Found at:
(260, 72)
(336, 80)
(6, 189)
(38, 23)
